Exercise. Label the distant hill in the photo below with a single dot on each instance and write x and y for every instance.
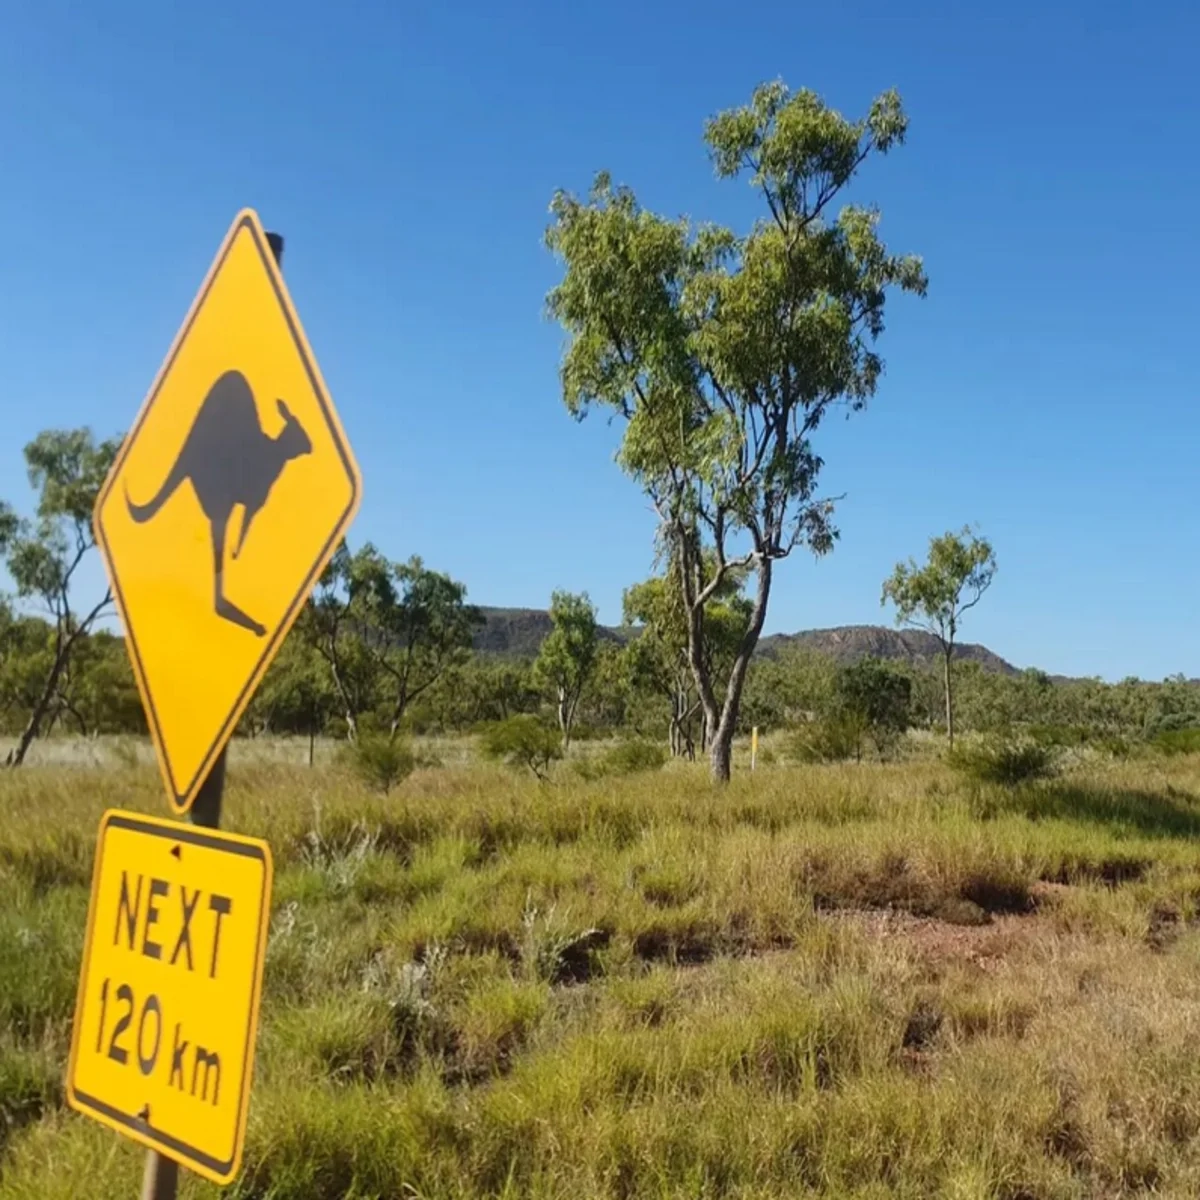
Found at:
(518, 632)
(849, 643)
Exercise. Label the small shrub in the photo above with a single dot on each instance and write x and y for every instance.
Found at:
(875, 698)
(554, 952)
(1116, 744)
(1177, 741)
(407, 989)
(1172, 722)
(1077, 737)
(590, 733)
(379, 761)
(1004, 761)
(522, 741)
(339, 861)
(626, 758)
(831, 739)
(1060, 736)
(421, 719)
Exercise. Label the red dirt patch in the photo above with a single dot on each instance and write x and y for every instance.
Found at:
(984, 946)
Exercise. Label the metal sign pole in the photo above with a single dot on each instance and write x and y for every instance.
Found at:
(160, 1180)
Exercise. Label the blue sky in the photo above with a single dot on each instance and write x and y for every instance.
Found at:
(1046, 389)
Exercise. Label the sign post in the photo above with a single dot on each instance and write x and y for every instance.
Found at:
(160, 1180)
(225, 503)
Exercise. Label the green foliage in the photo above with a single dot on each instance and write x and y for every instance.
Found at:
(386, 631)
(795, 684)
(866, 700)
(722, 352)
(66, 468)
(1006, 761)
(833, 738)
(96, 691)
(874, 697)
(1172, 722)
(934, 597)
(1177, 741)
(476, 691)
(297, 694)
(604, 704)
(522, 741)
(1079, 737)
(958, 571)
(380, 761)
(659, 658)
(625, 758)
(568, 655)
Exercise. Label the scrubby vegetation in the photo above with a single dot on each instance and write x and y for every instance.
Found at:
(854, 980)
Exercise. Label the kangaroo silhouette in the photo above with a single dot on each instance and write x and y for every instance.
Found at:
(230, 461)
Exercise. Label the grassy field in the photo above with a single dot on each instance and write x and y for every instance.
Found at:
(860, 981)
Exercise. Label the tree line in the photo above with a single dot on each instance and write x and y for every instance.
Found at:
(385, 647)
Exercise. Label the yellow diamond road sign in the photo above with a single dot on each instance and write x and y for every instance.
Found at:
(162, 1047)
(226, 501)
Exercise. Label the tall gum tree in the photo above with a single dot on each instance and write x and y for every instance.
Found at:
(723, 353)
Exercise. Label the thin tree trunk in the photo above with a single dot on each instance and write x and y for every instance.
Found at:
(68, 707)
(949, 695)
(697, 659)
(63, 648)
(344, 695)
(16, 756)
(675, 731)
(722, 735)
(564, 718)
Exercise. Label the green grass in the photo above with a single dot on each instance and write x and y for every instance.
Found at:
(846, 981)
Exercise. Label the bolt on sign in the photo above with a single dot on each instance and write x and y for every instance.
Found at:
(162, 1048)
(227, 499)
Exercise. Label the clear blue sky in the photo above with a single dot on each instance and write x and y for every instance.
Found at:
(1046, 389)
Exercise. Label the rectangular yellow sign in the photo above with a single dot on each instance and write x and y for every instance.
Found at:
(162, 1048)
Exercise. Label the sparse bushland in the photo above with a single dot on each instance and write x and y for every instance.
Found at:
(845, 980)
